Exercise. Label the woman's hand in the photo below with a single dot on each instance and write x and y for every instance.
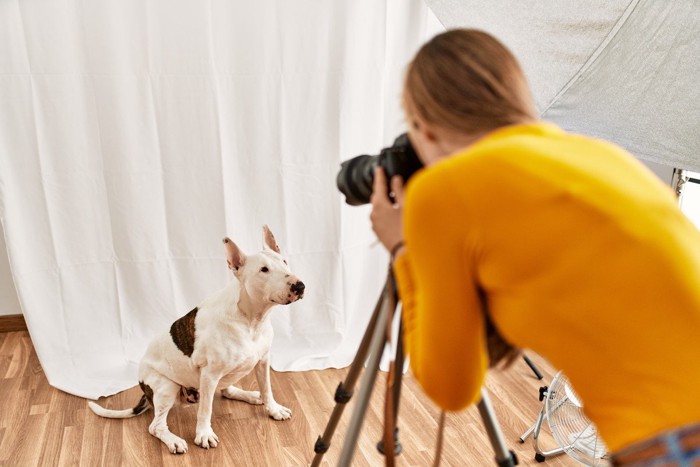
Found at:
(387, 216)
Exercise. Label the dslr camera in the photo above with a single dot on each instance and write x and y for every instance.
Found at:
(356, 175)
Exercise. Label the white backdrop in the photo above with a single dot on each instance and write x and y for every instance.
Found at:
(135, 135)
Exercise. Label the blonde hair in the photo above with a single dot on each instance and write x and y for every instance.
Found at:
(466, 81)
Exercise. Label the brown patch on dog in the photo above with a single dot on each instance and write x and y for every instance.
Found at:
(146, 400)
(190, 395)
(182, 332)
(147, 391)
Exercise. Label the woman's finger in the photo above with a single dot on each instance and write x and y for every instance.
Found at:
(397, 189)
(379, 188)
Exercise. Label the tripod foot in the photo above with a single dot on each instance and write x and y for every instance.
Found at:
(342, 395)
(539, 457)
(320, 447)
(397, 445)
(510, 461)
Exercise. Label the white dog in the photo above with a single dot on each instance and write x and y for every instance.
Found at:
(215, 345)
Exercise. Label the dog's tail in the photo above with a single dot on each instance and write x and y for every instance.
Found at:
(143, 405)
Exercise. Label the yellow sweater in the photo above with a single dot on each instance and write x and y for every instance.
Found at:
(584, 257)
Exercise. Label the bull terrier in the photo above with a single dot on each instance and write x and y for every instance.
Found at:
(217, 343)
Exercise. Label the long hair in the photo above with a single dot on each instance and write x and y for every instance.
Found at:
(467, 81)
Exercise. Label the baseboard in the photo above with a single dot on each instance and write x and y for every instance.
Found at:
(12, 323)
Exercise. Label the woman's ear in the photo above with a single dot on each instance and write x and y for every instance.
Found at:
(429, 135)
(424, 129)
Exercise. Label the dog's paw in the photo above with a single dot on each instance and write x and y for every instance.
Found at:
(206, 439)
(279, 412)
(176, 445)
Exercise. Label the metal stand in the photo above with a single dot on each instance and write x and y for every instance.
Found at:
(371, 346)
(534, 431)
(533, 367)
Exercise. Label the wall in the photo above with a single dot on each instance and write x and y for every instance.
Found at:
(9, 305)
(664, 172)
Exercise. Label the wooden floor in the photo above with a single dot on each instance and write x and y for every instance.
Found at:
(42, 426)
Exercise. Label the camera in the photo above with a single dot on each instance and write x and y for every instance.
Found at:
(356, 175)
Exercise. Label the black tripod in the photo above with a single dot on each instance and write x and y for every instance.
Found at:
(376, 336)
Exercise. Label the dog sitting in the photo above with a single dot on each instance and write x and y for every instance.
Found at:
(215, 345)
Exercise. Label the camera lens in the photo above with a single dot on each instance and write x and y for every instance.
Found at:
(355, 179)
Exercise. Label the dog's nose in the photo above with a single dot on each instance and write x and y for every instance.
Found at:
(298, 288)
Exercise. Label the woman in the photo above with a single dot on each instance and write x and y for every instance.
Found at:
(520, 235)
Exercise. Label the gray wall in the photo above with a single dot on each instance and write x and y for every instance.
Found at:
(665, 173)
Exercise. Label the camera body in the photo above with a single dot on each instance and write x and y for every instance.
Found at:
(356, 175)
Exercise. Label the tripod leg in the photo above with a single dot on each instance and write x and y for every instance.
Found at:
(345, 389)
(398, 367)
(376, 347)
(393, 385)
(504, 457)
(398, 376)
(389, 419)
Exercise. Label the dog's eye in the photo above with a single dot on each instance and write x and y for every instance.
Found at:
(264, 269)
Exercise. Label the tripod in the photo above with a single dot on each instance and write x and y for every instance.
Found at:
(376, 336)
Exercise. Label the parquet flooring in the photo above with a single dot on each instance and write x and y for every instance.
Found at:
(42, 426)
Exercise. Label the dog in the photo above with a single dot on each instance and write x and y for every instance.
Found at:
(217, 343)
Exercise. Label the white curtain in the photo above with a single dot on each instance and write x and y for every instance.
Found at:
(135, 135)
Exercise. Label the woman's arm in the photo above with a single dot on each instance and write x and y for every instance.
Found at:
(444, 326)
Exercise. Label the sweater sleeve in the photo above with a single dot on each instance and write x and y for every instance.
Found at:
(444, 328)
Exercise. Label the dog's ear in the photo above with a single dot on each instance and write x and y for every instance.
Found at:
(269, 240)
(234, 256)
